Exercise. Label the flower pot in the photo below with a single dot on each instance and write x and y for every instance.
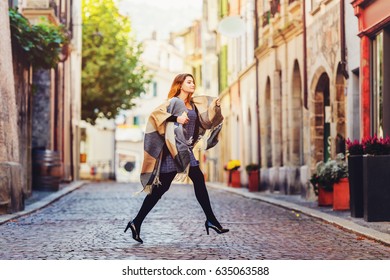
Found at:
(376, 188)
(253, 180)
(227, 178)
(325, 198)
(235, 179)
(341, 195)
(355, 171)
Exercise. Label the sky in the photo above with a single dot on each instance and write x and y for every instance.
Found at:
(163, 16)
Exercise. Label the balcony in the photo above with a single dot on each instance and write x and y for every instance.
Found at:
(35, 9)
(37, 4)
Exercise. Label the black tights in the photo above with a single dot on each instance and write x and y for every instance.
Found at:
(166, 179)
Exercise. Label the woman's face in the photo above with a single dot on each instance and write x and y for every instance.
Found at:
(188, 85)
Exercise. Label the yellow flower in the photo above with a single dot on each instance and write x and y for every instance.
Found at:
(233, 164)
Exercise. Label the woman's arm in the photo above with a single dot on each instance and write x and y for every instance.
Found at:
(183, 119)
(172, 119)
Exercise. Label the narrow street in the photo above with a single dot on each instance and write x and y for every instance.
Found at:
(89, 222)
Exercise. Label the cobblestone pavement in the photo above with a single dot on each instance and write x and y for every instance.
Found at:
(89, 222)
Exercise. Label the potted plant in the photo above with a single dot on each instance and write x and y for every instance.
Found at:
(326, 175)
(376, 179)
(355, 153)
(234, 173)
(253, 176)
(341, 193)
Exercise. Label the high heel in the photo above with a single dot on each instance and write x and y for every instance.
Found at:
(218, 230)
(134, 231)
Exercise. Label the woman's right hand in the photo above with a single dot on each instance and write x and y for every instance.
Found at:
(183, 119)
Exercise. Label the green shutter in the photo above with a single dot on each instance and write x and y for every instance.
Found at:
(223, 71)
(223, 8)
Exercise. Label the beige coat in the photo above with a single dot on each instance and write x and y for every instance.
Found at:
(159, 132)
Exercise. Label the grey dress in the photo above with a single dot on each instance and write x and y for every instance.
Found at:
(168, 163)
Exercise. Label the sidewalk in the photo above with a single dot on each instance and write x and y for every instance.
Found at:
(379, 231)
(41, 199)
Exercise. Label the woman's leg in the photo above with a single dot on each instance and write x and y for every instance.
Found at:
(151, 200)
(202, 195)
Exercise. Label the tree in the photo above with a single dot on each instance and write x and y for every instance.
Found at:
(112, 74)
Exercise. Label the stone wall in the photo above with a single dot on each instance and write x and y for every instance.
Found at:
(41, 113)
(23, 103)
(11, 184)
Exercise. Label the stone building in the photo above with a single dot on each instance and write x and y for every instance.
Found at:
(283, 86)
(283, 113)
(49, 117)
(12, 180)
(326, 81)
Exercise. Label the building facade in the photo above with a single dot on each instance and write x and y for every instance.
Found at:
(47, 118)
(285, 86)
(373, 30)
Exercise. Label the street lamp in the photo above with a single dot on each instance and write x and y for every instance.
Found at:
(97, 38)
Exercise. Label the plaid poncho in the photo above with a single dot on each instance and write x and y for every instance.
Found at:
(159, 132)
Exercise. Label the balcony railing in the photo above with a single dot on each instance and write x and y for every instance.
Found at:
(37, 4)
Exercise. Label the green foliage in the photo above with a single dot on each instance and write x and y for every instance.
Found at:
(328, 173)
(39, 45)
(112, 75)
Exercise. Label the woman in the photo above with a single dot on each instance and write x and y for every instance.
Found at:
(172, 131)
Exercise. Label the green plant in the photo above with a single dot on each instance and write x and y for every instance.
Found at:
(40, 44)
(328, 173)
(252, 167)
(113, 74)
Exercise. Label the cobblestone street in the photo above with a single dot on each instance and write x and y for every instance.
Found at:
(89, 222)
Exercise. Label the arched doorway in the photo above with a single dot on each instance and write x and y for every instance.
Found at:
(296, 119)
(321, 119)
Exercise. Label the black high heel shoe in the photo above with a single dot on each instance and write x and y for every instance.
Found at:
(134, 231)
(218, 230)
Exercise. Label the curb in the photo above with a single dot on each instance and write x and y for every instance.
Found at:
(43, 202)
(348, 225)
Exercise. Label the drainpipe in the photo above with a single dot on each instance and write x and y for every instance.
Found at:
(304, 56)
(256, 37)
(343, 61)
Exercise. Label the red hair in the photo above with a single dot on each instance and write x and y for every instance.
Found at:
(176, 85)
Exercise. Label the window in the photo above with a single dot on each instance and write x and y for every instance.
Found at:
(13, 3)
(136, 121)
(377, 85)
(154, 89)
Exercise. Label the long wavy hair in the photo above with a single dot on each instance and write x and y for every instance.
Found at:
(176, 86)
